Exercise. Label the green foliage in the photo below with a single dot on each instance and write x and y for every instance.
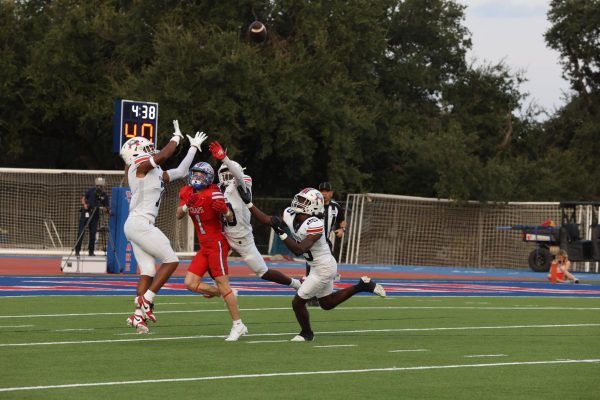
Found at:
(370, 95)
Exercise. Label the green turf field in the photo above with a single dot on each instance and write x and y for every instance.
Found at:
(394, 348)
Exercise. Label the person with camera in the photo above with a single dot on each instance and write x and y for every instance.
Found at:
(93, 202)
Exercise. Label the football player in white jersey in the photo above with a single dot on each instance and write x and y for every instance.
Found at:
(303, 220)
(147, 182)
(239, 231)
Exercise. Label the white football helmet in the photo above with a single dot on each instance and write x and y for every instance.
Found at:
(225, 176)
(136, 147)
(309, 201)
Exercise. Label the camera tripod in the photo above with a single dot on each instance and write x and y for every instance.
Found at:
(80, 237)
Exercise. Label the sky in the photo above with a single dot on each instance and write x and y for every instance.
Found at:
(512, 31)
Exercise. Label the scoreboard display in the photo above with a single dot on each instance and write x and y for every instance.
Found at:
(132, 119)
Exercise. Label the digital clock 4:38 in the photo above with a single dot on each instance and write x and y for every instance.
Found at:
(132, 119)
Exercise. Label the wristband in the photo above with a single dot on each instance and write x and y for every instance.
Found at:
(176, 139)
(249, 205)
(152, 162)
(283, 236)
(184, 208)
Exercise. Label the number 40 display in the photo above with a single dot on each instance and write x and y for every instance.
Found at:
(132, 119)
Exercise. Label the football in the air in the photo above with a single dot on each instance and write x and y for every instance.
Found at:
(257, 32)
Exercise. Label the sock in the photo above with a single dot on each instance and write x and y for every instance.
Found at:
(149, 295)
(237, 322)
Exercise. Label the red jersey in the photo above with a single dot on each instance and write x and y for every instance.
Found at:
(207, 221)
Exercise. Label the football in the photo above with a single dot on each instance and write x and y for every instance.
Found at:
(257, 32)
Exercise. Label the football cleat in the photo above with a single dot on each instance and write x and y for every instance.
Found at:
(365, 284)
(146, 306)
(237, 331)
(138, 323)
(313, 302)
(303, 337)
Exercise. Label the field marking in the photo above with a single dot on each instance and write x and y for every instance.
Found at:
(458, 328)
(298, 373)
(486, 355)
(514, 308)
(402, 351)
(73, 330)
(337, 345)
(16, 326)
(268, 341)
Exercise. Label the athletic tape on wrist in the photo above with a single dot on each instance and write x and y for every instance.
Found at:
(176, 139)
(249, 205)
(283, 236)
(152, 162)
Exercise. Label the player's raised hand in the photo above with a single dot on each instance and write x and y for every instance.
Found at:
(197, 140)
(177, 135)
(217, 151)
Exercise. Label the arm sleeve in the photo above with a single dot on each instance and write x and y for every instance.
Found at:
(237, 172)
(182, 170)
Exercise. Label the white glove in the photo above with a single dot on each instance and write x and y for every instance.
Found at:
(177, 136)
(197, 140)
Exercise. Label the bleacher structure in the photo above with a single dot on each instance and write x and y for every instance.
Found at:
(39, 214)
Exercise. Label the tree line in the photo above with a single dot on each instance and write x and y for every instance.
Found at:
(372, 95)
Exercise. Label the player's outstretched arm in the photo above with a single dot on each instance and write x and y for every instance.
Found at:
(220, 154)
(246, 197)
(195, 145)
(169, 149)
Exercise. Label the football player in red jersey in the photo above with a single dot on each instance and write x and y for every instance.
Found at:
(206, 206)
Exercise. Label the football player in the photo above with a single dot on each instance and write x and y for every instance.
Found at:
(147, 182)
(239, 231)
(206, 204)
(304, 220)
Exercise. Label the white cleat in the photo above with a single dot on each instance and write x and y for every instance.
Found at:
(138, 323)
(368, 285)
(301, 338)
(237, 331)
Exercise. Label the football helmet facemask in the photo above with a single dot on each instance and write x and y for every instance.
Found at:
(225, 176)
(201, 175)
(136, 147)
(309, 201)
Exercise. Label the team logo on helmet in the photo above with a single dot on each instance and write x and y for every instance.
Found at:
(135, 148)
(309, 201)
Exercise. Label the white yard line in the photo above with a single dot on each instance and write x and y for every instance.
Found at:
(144, 338)
(402, 351)
(73, 330)
(337, 345)
(298, 373)
(16, 326)
(485, 355)
(316, 309)
(267, 341)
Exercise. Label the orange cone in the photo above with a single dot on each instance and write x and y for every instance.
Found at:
(553, 271)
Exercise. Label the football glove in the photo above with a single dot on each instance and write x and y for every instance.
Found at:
(177, 136)
(191, 201)
(220, 206)
(197, 140)
(277, 225)
(217, 151)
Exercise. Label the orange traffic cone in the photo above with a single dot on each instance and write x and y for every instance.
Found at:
(553, 271)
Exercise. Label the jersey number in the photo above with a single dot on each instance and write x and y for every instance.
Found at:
(200, 227)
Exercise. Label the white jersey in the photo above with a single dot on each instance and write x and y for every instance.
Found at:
(240, 227)
(319, 255)
(146, 191)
